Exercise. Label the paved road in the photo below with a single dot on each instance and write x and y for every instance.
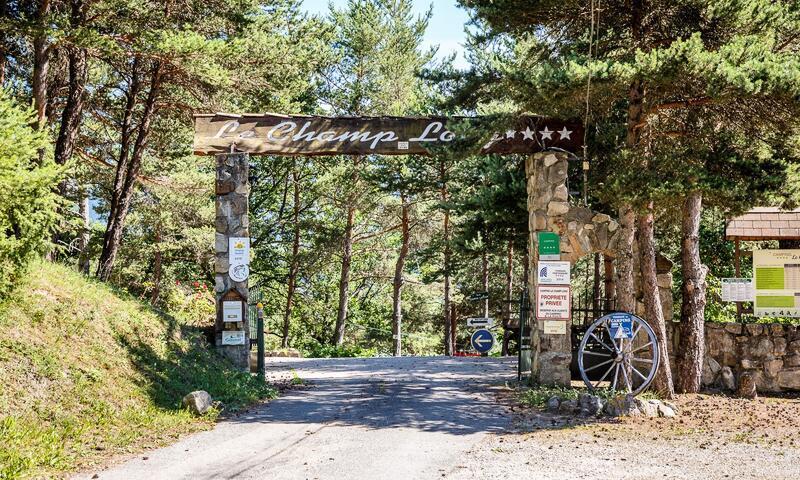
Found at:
(377, 418)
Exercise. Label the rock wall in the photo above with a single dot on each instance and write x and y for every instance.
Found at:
(769, 352)
(233, 192)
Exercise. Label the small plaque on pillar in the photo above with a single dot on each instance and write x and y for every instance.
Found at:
(239, 250)
(555, 327)
(232, 311)
(233, 337)
(232, 304)
(239, 273)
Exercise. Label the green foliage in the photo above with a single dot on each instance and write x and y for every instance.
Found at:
(317, 350)
(89, 373)
(538, 395)
(27, 200)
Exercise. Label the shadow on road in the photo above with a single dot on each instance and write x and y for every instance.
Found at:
(437, 394)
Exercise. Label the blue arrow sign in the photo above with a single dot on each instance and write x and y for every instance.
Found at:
(482, 340)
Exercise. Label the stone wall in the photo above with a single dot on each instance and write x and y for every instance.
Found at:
(770, 352)
(233, 192)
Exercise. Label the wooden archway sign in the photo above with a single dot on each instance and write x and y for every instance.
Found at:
(232, 137)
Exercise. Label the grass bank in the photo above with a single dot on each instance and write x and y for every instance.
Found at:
(87, 372)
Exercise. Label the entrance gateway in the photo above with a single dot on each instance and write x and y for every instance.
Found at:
(232, 138)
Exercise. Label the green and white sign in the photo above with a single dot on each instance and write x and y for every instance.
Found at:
(549, 246)
(776, 274)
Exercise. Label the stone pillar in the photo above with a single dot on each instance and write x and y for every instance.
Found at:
(233, 191)
(548, 202)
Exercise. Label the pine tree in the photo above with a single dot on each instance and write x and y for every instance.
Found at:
(378, 42)
(657, 69)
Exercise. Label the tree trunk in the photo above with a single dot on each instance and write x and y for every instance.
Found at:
(73, 108)
(625, 289)
(347, 260)
(526, 268)
(71, 115)
(444, 195)
(485, 281)
(596, 296)
(691, 352)
(125, 180)
(610, 286)
(83, 237)
(344, 280)
(397, 286)
(652, 301)
(509, 280)
(41, 65)
(294, 265)
(4, 7)
(157, 266)
(453, 321)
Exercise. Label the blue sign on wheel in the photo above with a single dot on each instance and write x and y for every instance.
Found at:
(620, 325)
(482, 340)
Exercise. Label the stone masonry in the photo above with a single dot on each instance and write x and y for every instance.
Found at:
(769, 352)
(583, 232)
(232, 189)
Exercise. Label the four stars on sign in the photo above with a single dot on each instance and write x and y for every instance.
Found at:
(545, 134)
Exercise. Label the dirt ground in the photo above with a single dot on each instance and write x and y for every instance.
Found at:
(714, 437)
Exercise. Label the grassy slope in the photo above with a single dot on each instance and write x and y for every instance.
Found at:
(87, 373)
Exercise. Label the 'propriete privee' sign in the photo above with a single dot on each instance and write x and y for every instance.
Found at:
(309, 135)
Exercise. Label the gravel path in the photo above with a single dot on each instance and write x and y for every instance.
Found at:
(426, 418)
(714, 437)
(378, 418)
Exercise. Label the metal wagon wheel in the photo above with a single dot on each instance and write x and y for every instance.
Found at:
(624, 364)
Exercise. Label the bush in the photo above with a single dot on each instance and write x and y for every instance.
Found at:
(316, 350)
(27, 196)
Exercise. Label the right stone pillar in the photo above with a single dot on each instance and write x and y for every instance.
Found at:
(548, 202)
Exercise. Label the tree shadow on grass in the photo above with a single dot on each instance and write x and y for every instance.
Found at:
(176, 359)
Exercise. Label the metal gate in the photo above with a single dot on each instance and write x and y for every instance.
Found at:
(524, 336)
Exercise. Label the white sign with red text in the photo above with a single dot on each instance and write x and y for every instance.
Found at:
(553, 302)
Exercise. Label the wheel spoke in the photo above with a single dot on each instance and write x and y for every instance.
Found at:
(640, 348)
(604, 376)
(598, 365)
(616, 374)
(638, 373)
(627, 381)
(597, 354)
(603, 343)
(638, 329)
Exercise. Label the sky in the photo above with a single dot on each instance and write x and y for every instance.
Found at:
(446, 28)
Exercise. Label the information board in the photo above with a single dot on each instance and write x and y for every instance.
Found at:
(776, 274)
(737, 290)
(553, 273)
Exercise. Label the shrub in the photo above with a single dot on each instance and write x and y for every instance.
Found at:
(27, 196)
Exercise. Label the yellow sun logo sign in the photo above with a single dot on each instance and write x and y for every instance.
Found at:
(238, 245)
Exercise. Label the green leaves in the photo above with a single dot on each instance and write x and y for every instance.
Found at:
(27, 198)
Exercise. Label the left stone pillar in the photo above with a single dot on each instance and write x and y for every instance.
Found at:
(233, 192)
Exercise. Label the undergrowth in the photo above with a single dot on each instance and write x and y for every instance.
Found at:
(88, 372)
(537, 396)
